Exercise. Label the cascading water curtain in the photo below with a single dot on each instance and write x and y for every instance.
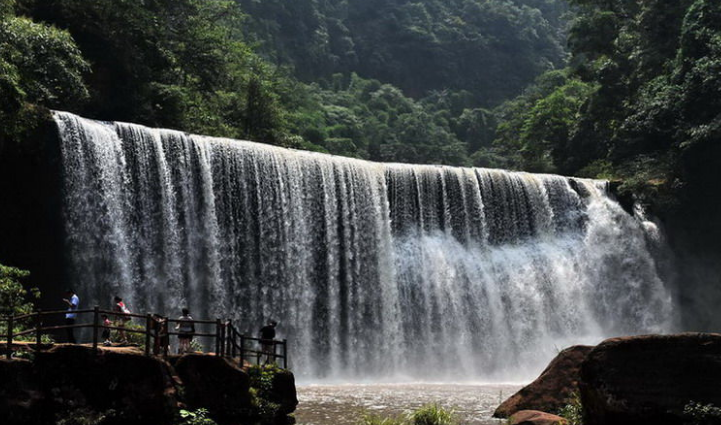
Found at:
(374, 271)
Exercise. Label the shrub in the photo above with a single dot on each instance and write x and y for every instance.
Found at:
(261, 382)
(197, 417)
(573, 411)
(701, 414)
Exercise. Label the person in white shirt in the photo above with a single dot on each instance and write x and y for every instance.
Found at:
(73, 302)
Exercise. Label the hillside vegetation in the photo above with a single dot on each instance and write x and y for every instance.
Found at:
(598, 88)
(407, 81)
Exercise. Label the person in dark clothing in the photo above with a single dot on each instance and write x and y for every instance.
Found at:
(267, 336)
(162, 336)
(72, 301)
(107, 324)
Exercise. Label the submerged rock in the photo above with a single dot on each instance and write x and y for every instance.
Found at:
(552, 389)
(534, 417)
(650, 379)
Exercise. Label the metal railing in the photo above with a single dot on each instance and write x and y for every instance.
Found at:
(228, 341)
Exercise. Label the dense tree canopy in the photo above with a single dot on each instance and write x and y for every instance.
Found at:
(491, 48)
(640, 98)
(426, 81)
(39, 64)
(394, 80)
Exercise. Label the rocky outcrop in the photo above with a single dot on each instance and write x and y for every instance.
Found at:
(218, 385)
(21, 401)
(649, 379)
(123, 386)
(136, 388)
(534, 417)
(550, 391)
(283, 392)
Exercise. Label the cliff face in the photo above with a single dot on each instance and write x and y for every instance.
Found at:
(31, 231)
(693, 226)
(116, 387)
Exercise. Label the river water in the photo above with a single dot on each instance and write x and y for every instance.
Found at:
(345, 404)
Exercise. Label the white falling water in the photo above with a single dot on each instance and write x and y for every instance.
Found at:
(374, 271)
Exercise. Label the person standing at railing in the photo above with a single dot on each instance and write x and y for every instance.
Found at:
(107, 324)
(121, 320)
(186, 330)
(162, 337)
(73, 302)
(267, 337)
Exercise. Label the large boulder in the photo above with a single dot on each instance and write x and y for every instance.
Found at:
(137, 387)
(123, 387)
(552, 389)
(216, 384)
(650, 379)
(534, 417)
(283, 392)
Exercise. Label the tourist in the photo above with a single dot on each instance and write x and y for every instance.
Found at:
(162, 337)
(121, 319)
(267, 337)
(186, 330)
(107, 324)
(73, 302)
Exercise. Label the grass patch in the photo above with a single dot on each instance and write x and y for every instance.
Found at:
(430, 414)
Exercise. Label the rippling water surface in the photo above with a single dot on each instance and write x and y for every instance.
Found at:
(345, 404)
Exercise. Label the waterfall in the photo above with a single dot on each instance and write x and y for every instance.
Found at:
(374, 271)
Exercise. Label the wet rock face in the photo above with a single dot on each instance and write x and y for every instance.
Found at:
(649, 379)
(550, 391)
(284, 393)
(534, 417)
(216, 384)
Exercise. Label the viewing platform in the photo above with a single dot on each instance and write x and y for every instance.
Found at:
(25, 333)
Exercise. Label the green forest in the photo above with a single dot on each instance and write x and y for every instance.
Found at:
(616, 89)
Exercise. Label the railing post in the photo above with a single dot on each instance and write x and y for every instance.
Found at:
(96, 318)
(242, 350)
(10, 337)
(38, 329)
(285, 354)
(156, 337)
(224, 339)
(223, 332)
(166, 338)
(232, 343)
(148, 329)
(229, 339)
(218, 327)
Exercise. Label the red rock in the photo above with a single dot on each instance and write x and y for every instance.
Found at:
(552, 389)
(650, 379)
(534, 417)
